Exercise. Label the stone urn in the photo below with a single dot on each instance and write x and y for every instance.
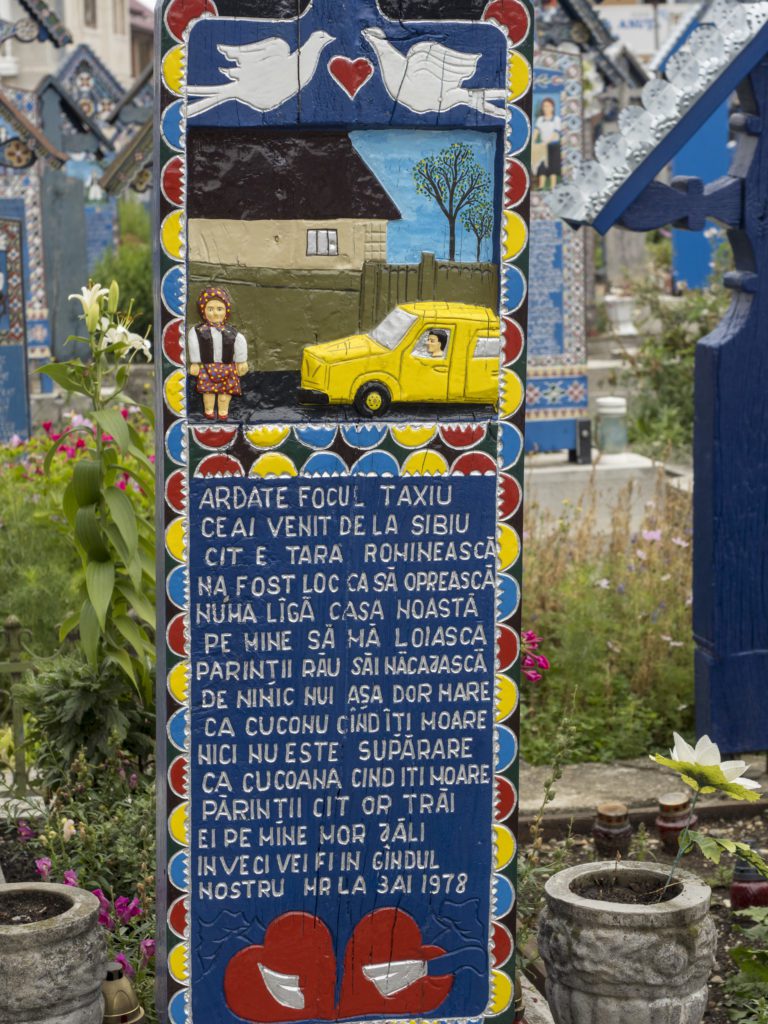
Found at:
(620, 309)
(626, 963)
(52, 955)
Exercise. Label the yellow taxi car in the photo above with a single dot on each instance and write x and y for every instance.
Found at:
(420, 352)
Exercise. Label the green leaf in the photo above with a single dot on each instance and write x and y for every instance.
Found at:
(68, 625)
(111, 422)
(149, 413)
(138, 602)
(132, 633)
(89, 536)
(100, 581)
(706, 844)
(69, 503)
(89, 632)
(124, 516)
(125, 661)
(86, 481)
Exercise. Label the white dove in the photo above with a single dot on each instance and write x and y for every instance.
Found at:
(430, 76)
(266, 74)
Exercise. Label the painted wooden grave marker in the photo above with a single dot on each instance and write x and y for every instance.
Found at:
(343, 230)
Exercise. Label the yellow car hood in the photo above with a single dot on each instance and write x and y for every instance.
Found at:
(356, 346)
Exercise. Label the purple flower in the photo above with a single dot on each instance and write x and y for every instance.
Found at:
(534, 676)
(528, 661)
(70, 878)
(122, 960)
(43, 867)
(24, 832)
(542, 661)
(133, 780)
(127, 909)
(105, 910)
(148, 949)
(651, 535)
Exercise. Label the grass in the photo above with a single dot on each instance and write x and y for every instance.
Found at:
(614, 610)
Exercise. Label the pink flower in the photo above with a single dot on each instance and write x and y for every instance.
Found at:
(651, 535)
(127, 909)
(106, 438)
(122, 960)
(105, 910)
(641, 555)
(24, 832)
(80, 442)
(528, 661)
(124, 413)
(133, 780)
(148, 949)
(55, 437)
(15, 442)
(542, 661)
(152, 458)
(48, 426)
(70, 878)
(121, 484)
(534, 677)
(43, 867)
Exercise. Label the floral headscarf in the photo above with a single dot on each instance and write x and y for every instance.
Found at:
(213, 292)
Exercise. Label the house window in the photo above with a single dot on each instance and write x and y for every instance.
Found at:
(118, 12)
(322, 242)
(89, 13)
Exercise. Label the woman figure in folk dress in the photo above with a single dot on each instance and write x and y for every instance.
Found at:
(218, 353)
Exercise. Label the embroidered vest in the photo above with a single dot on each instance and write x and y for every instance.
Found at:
(205, 338)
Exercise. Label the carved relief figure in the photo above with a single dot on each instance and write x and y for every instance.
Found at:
(218, 353)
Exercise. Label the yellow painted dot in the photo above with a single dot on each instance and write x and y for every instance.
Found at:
(173, 69)
(511, 393)
(273, 464)
(178, 824)
(506, 697)
(509, 547)
(505, 846)
(519, 76)
(178, 963)
(175, 392)
(172, 234)
(425, 464)
(502, 991)
(178, 682)
(414, 436)
(175, 539)
(515, 235)
(267, 436)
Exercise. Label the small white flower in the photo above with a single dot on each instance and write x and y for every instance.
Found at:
(89, 297)
(67, 829)
(707, 755)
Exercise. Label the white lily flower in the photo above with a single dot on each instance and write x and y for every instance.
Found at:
(89, 296)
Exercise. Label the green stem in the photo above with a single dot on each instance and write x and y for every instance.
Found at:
(680, 847)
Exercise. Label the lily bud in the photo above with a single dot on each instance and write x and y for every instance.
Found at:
(92, 316)
(114, 298)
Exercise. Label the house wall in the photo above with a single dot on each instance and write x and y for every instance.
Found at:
(23, 65)
(282, 244)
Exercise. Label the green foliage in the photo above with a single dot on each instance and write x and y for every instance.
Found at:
(747, 991)
(478, 219)
(614, 611)
(73, 707)
(36, 569)
(455, 181)
(663, 368)
(713, 848)
(130, 264)
(101, 825)
(109, 499)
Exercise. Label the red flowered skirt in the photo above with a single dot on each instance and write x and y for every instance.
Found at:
(219, 379)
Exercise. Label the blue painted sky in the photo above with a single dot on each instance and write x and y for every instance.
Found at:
(391, 155)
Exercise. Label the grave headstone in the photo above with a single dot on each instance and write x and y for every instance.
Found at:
(343, 231)
(557, 399)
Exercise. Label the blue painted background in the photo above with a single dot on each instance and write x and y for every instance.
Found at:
(458, 923)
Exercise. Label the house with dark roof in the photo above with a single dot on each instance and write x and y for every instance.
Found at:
(287, 202)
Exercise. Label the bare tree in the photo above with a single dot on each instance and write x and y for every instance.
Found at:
(455, 180)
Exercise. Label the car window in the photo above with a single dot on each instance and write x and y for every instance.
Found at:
(438, 351)
(393, 328)
(487, 348)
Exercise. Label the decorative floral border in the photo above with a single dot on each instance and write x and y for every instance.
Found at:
(292, 449)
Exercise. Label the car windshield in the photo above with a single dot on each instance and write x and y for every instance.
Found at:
(393, 328)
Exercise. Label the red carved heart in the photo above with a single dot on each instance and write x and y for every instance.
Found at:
(290, 977)
(385, 969)
(351, 74)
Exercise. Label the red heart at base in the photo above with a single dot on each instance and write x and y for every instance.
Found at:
(290, 977)
(350, 74)
(385, 941)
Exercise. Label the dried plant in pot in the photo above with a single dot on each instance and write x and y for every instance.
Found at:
(52, 955)
(615, 954)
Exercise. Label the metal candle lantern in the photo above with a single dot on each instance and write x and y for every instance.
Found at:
(121, 1004)
(748, 888)
(674, 817)
(612, 831)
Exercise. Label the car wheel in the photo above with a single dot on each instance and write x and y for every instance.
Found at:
(372, 399)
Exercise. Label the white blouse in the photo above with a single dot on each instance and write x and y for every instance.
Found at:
(241, 347)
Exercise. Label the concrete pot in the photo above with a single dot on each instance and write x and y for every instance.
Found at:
(51, 971)
(614, 963)
(620, 310)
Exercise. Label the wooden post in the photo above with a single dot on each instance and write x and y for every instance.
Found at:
(13, 668)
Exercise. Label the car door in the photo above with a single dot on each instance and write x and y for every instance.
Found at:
(482, 379)
(424, 377)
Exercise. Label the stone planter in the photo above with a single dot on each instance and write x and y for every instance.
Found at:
(620, 310)
(51, 971)
(615, 963)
